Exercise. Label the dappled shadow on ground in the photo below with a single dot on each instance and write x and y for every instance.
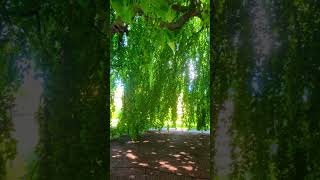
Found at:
(181, 154)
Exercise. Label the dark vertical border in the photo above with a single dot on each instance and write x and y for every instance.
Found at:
(212, 80)
(107, 75)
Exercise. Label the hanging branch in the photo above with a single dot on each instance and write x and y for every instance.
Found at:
(181, 21)
(119, 27)
(189, 12)
(193, 10)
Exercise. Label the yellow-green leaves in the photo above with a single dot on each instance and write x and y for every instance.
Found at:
(170, 15)
(172, 46)
(160, 8)
(170, 39)
(117, 5)
(123, 9)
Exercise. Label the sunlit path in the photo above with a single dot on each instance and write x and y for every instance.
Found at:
(165, 154)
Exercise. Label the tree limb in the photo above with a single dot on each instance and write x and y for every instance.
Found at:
(182, 20)
(189, 11)
(119, 27)
(179, 8)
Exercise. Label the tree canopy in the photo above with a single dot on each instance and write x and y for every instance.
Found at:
(160, 52)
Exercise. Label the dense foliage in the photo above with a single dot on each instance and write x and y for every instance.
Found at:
(9, 81)
(160, 53)
(275, 130)
(154, 47)
(68, 42)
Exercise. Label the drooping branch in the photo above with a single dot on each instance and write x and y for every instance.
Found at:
(119, 27)
(179, 8)
(190, 11)
(182, 20)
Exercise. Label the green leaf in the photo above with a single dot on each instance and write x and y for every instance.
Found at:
(172, 46)
(160, 8)
(170, 15)
(117, 5)
(127, 13)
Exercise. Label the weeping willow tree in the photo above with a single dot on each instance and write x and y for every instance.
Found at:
(275, 127)
(68, 42)
(160, 53)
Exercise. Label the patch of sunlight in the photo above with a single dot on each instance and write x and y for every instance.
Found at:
(116, 156)
(188, 168)
(165, 164)
(114, 122)
(143, 164)
(196, 23)
(117, 97)
(131, 156)
(192, 71)
(132, 177)
(180, 130)
(177, 155)
(179, 110)
(125, 40)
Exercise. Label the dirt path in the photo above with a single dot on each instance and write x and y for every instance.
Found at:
(161, 154)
